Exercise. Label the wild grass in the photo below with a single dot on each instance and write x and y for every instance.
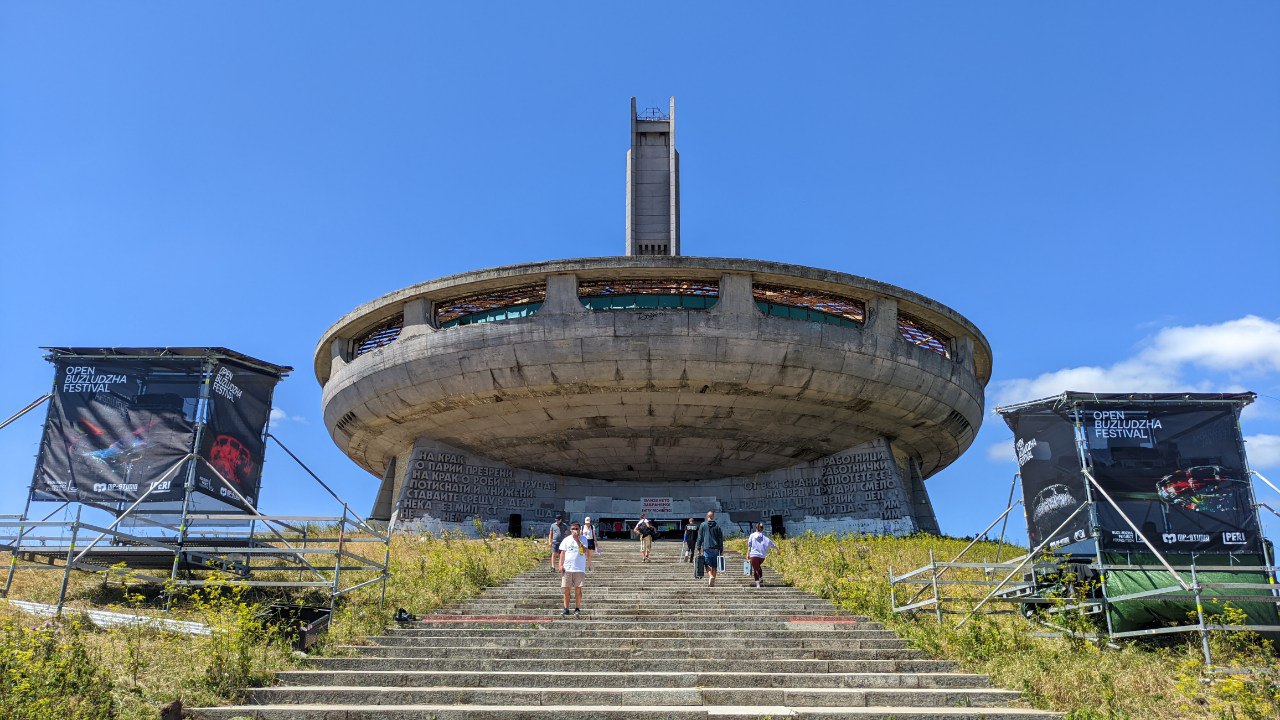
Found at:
(1080, 678)
(68, 669)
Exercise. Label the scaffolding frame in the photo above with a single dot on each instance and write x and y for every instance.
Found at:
(176, 547)
(1185, 585)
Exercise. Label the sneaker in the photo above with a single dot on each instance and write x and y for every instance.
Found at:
(757, 583)
(566, 611)
(577, 611)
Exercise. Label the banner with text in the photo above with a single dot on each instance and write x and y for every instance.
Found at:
(234, 436)
(1052, 484)
(1177, 472)
(115, 427)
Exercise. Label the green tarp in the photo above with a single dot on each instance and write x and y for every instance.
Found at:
(1163, 610)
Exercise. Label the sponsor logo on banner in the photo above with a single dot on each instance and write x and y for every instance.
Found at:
(1174, 538)
(1123, 536)
(115, 487)
(1234, 538)
(1079, 535)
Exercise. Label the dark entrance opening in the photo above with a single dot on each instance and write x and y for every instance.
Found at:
(776, 528)
(515, 525)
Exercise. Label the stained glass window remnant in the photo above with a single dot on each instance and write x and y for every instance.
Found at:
(918, 332)
(481, 303)
(382, 334)
(809, 305)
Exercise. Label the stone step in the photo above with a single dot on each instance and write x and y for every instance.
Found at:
(652, 643)
(638, 665)
(689, 653)
(606, 645)
(588, 621)
(559, 678)
(606, 712)
(572, 696)
(562, 631)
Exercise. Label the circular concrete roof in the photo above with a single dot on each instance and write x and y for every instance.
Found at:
(654, 393)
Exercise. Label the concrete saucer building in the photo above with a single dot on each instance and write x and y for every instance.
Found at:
(654, 382)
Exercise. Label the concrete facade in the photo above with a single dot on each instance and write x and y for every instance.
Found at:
(595, 411)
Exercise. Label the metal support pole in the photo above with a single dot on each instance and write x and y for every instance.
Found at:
(1030, 555)
(13, 553)
(937, 601)
(202, 415)
(386, 572)
(337, 560)
(1259, 475)
(265, 521)
(34, 404)
(1204, 630)
(893, 591)
(66, 572)
(304, 547)
(132, 507)
(1008, 506)
(976, 539)
(1138, 532)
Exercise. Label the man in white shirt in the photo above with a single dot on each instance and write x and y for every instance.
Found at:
(576, 558)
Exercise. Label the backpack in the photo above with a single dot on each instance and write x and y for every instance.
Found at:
(649, 531)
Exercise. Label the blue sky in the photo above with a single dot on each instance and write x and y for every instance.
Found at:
(1095, 185)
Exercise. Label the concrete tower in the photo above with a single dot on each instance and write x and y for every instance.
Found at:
(653, 183)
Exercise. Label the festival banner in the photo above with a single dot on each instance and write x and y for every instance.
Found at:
(234, 436)
(114, 428)
(1052, 485)
(1177, 472)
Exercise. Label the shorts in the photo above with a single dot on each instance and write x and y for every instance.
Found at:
(709, 559)
(591, 544)
(646, 543)
(571, 579)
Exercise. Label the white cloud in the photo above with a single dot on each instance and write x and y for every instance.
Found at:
(1250, 344)
(1263, 451)
(278, 416)
(1001, 452)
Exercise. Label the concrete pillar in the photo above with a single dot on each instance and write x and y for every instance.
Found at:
(417, 317)
(562, 296)
(338, 354)
(882, 318)
(962, 353)
(735, 296)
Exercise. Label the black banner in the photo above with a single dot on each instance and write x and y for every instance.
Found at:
(1178, 472)
(234, 436)
(114, 428)
(1052, 484)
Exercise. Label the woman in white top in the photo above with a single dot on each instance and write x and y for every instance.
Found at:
(758, 547)
(589, 534)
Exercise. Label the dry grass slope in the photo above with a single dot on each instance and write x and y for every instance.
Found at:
(70, 670)
(1080, 678)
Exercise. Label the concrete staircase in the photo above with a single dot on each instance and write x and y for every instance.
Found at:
(652, 643)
